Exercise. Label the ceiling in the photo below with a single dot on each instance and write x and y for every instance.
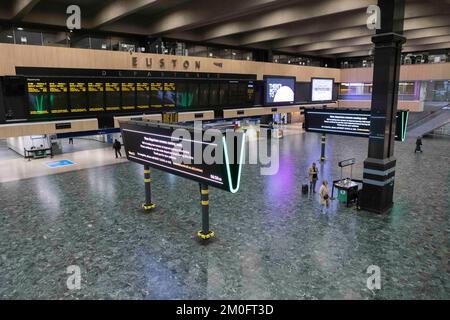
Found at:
(326, 28)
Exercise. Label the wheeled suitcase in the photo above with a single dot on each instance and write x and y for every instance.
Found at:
(305, 189)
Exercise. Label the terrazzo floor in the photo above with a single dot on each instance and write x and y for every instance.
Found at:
(272, 242)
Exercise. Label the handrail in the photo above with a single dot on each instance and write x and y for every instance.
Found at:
(426, 118)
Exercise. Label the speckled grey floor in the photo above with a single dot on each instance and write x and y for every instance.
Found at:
(272, 242)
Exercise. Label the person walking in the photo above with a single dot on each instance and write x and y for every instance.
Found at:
(324, 196)
(418, 145)
(117, 146)
(313, 177)
(70, 140)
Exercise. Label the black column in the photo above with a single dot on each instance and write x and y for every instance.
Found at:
(379, 167)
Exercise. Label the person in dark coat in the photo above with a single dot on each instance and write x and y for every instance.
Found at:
(418, 145)
(117, 146)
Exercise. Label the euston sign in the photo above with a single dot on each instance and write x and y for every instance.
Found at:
(159, 146)
(164, 63)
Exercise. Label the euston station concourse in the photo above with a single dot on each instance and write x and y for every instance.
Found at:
(253, 150)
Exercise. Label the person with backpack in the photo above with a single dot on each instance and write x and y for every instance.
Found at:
(418, 145)
(313, 177)
(117, 146)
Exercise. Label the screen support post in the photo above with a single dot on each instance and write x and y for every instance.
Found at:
(148, 205)
(323, 142)
(205, 233)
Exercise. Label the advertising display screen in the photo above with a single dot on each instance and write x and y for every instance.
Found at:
(321, 89)
(152, 145)
(78, 97)
(112, 96)
(58, 97)
(142, 95)
(156, 94)
(169, 94)
(349, 122)
(38, 97)
(279, 90)
(96, 96)
(128, 96)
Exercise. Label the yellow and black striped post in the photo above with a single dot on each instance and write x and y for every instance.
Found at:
(323, 142)
(205, 233)
(148, 205)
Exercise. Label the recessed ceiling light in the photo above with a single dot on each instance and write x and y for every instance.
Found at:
(20, 29)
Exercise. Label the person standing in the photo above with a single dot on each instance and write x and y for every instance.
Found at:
(324, 195)
(117, 146)
(70, 140)
(418, 145)
(313, 177)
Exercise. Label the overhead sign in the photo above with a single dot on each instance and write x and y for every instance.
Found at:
(322, 89)
(152, 144)
(349, 122)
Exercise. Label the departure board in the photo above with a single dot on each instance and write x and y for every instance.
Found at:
(142, 95)
(223, 94)
(59, 100)
(157, 94)
(78, 97)
(214, 93)
(96, 96)
(169, 94)
(112, 96)
(203, 97)
(128, 96)
(233, 96)
(193, 92)
(250, 94)
(38, 97)
(184, 100)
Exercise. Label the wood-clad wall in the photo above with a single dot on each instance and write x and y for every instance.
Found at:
(56, 57)
(38, 128)
(438, 71)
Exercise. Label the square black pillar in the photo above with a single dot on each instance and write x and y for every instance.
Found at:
(379, 167)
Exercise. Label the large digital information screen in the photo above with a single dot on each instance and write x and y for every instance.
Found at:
(349, 122)
(279, 90)
(321, 89)
(152, 145)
